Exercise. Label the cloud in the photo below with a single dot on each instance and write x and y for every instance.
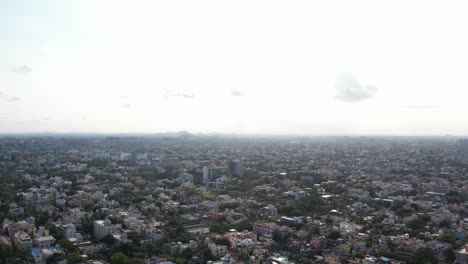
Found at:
(349, 89)
(127, 106)
(22, 69)
(175, 94)
(421, 107)
(13, 99)
(188, 95)
(8, 98)
(236, 92)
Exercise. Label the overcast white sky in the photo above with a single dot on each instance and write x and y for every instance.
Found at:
(302, 67)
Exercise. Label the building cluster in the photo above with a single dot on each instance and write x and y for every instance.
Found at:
(196, 199)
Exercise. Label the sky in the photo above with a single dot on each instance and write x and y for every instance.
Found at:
(269, 67)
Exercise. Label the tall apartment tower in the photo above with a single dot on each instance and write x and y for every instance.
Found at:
(237, 168)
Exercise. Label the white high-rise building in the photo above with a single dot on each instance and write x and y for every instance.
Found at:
(206, 174)
(102, 228)
(212, 173)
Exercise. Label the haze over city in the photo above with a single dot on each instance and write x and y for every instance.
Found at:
(233, 132)
(274, 67)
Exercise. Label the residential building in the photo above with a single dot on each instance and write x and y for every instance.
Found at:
(102, 228)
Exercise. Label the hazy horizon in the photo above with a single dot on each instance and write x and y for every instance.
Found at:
(225, 134)
(243, 67)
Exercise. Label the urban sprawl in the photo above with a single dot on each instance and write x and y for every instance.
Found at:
(190, 198)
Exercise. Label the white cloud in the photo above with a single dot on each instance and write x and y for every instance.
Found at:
(22, 69)
(178, 94)
(349, 89)
(8, 98)
(236, 92)
(421, 107)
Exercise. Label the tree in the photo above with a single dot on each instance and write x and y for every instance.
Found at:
(281, 237)
(67, 245)
(180, 261)
(449, 255)
(118, 258)
(41, 219)
(5, 251)
(316, 230)
(197, 179)
(334, 234)
(445, 224)
(22, 253)
(448, 238)
(74, 258)
(187, 253)
(86, 226)
(222, 241)
(108, 240)
(225, 206)
(127, 249)
(424, 255)
(244, 225)
(135, 261)
(55, 231)
(55, 258)
(218, 228)
(243, 256)
(416, 224)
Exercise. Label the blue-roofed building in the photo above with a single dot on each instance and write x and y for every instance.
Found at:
(36, 252)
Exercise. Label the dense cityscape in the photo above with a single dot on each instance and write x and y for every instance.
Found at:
(233, 132)
(190, 198)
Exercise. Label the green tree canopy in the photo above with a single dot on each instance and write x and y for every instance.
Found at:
(424, 255)
(118, 258)
(334, 234)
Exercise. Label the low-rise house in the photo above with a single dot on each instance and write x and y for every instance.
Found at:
(44, 241)
(23, 240)
(69, 230)
(217, 250)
